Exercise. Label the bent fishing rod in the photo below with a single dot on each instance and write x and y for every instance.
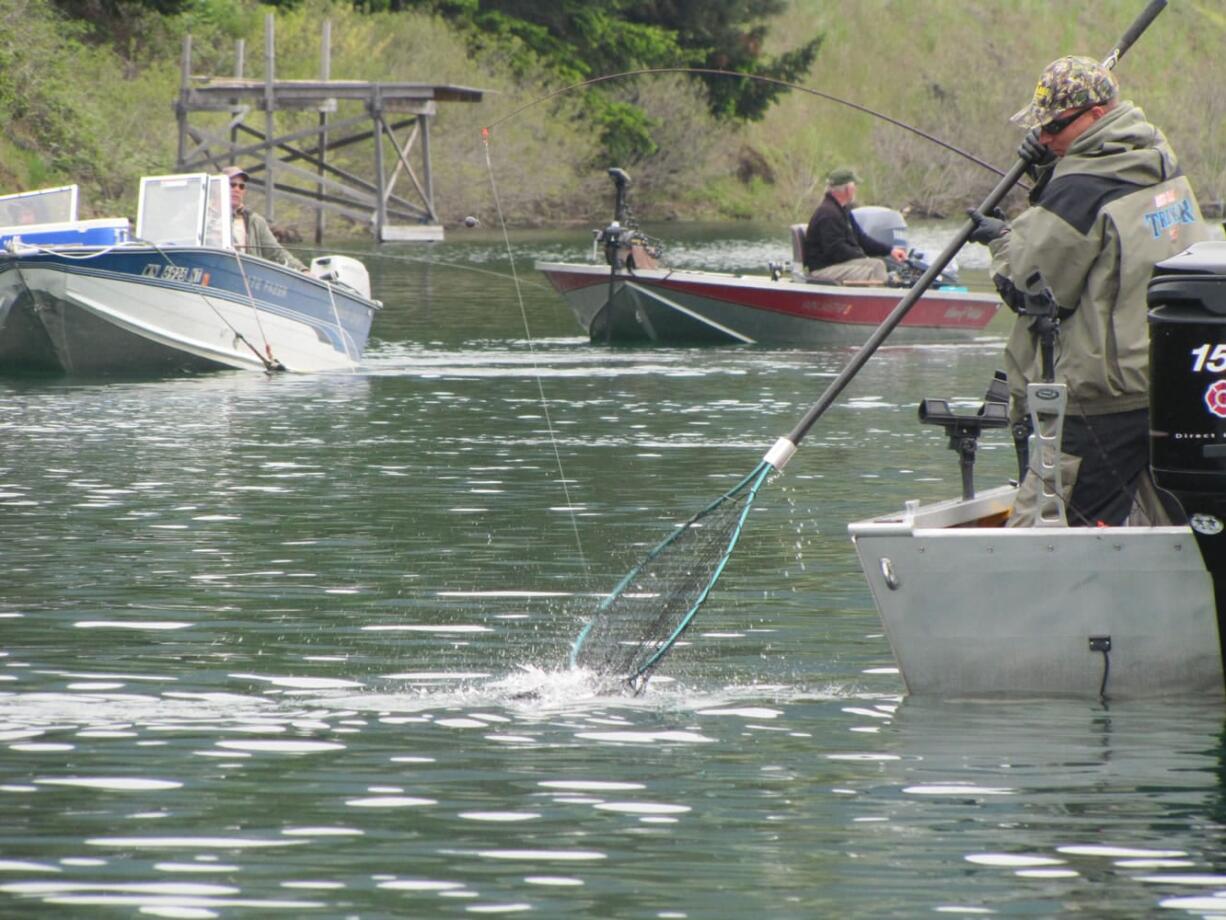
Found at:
(786, 446)
(710, 71)
(646, 613)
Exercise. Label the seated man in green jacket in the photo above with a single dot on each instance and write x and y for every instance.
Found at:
(250, 231)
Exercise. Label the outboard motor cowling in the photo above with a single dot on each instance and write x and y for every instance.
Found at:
(883, 225)
(888, 228)
(1187, 397)
(1187, 360)
(342, 270)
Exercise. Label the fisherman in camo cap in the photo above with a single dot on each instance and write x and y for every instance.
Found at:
(1109, 201)
(1068, 83)
(836, 250)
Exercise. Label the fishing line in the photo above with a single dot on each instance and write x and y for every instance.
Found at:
(433, 263)
(523, 312)
(341, 329)
(270, 363)
(753, 76)
(699, 559)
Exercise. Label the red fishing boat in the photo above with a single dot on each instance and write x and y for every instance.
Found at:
(631, 299)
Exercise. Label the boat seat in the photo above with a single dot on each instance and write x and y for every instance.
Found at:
(798, 262)
(798, 252)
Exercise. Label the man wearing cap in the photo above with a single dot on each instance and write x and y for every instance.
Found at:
(835, 248)
(1109, 201)
(250, 231)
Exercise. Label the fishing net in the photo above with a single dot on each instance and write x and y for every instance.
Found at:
(651, 607)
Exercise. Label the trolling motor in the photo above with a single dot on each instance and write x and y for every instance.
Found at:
(616, 235)
(621, 181)
(625, 248)
(964, 430)
(909, 271)
(623, 243)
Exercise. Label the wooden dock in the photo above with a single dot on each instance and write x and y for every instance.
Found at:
(295, 164)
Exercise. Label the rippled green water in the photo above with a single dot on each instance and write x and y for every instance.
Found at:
(296, 646)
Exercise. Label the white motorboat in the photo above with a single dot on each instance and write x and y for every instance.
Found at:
(88, 297)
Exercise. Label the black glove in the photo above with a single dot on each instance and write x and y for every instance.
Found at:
(1034, 152)
(987, 228)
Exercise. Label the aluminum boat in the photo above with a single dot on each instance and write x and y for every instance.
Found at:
(973, 608)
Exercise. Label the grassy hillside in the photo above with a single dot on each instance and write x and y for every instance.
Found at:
(93, 104)
(81, 107)
(959, 68)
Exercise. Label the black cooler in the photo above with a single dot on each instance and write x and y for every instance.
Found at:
(1187, 397)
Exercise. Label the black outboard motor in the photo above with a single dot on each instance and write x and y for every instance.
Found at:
(1187, 397)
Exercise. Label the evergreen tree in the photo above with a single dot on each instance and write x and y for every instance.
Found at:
(581, 40)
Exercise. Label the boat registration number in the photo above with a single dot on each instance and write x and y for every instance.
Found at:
(180, 273)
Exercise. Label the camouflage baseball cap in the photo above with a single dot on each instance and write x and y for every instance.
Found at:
(1067, 83)
(842, 176)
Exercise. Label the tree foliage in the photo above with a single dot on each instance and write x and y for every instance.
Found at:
(582, 40)
(39, 96)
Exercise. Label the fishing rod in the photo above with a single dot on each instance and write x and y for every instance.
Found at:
(649, 609)
(710, 71)
(702, 71)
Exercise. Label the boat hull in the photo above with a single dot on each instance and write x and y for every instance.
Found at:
(685, 307)
(144, 309)
(974, 611)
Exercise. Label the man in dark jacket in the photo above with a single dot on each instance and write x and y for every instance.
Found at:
(835, 248)
(1110, 201)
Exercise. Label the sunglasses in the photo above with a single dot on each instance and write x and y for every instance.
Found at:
(1057, 125)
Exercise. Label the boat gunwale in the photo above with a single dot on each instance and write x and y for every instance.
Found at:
(72, 253)
(600, 274)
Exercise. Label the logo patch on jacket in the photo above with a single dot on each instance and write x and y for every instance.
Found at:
(1168, 215)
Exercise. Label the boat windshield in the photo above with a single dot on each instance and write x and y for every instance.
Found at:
(44, 206)
(217, 214)
(173, 209)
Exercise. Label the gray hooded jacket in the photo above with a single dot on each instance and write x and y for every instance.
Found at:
(1116, 204)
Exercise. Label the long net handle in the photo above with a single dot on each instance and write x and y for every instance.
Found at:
(860, 358)
(777, 456)
(1139, 25)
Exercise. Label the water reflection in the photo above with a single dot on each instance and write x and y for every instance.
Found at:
(504, 782)
(299, 644)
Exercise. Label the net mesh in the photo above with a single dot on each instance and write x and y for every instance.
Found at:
(648, 611)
